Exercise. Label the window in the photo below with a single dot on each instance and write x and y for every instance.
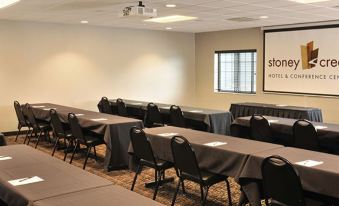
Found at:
(235, 71)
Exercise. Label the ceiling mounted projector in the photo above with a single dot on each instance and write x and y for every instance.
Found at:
(139, 11)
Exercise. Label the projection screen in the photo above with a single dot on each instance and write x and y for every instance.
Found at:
(302, 60)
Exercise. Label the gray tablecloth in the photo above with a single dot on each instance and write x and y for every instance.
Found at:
(103, 196)
(227, 159)
(2, 140)
(59, 177)
(115, 130)
(322, 179)
(293, 112)
(328, 134)
(217, 121)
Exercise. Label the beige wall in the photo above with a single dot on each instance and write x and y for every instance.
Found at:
(77, 64)
(207, 43)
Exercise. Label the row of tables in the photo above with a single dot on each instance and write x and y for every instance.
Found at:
(29, 177)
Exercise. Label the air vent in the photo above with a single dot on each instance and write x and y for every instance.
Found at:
(241, 19)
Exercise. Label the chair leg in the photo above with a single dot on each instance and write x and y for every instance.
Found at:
(38, 140)
(75, 149)
(66, 151)
(27, 133)
(183, 187)
(17, 134)
(176, 193)
(95, 154)
(55, 145)
(30, 136)
(157, 184)
(229, 192)
(205, 196)
(139, 168)
(88, 153)
(201, 193)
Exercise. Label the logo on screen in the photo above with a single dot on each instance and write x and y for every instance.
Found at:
(309, 56)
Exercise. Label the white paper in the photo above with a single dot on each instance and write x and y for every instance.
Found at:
(136, 103)
(168, 134)
(79, 115)
(25, 181)
(38, 106)
(309, 163)
(273, 120)
(281, 105)
(99, 119)
(5, 158)
(215, 144)
(320, 127)
(196, 111)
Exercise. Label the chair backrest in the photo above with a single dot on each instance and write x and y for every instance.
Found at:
(260, 129)
(121, 108)
(177, 117)
(30, 116)
(19, 113)
(184, 157)
(305, 135)
(142, 148)
(75, 127)
(105, 106)
(153, 114)
(281, 181)
(56, 123)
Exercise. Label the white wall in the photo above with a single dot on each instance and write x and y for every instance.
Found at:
(76, 65)
(208, 43)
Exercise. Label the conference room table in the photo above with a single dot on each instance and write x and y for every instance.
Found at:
(328, 133)
(216, 121)
(102, 196)
(49, 181)
(215, 153)
(114, 129)
(319, 172)
(49, 176)
(277, 110)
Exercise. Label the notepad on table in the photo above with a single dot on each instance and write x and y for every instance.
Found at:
(168, 134)
(136, 103)
(79, 115)
(215, 144)
(281, 105)
(47, 109)
(309, 163)
(273, 120)
(99, 119)
(196, 111)
(320, 127)
(25, 181)
(2, 158)
(38, 106)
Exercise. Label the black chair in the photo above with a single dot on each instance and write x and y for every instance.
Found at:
(60, 132)
(37, 126)
(121, 108)
(187, 168)
(176, 117)
(281, 182)
(143, 152)
(305, 135)
(153, 116)
(22, 121)
(261, 129)
(105, 106)
(81, 139)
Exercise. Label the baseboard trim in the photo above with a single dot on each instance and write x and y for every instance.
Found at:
(13, 133)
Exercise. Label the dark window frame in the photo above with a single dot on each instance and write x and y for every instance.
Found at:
(253, 71)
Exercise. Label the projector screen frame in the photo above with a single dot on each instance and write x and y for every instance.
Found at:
(264, 56)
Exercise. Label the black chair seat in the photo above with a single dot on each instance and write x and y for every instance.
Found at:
(207, 178)
(309, 202)
(161, 164)
(91, 141)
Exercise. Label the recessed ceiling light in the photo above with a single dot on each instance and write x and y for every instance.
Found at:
(309, 1)
(7, 3)
(171, 5)
(84, 22)
(263, 17)
(169, 19)
(169, 28)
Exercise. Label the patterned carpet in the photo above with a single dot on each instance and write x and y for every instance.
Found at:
(217, 194)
